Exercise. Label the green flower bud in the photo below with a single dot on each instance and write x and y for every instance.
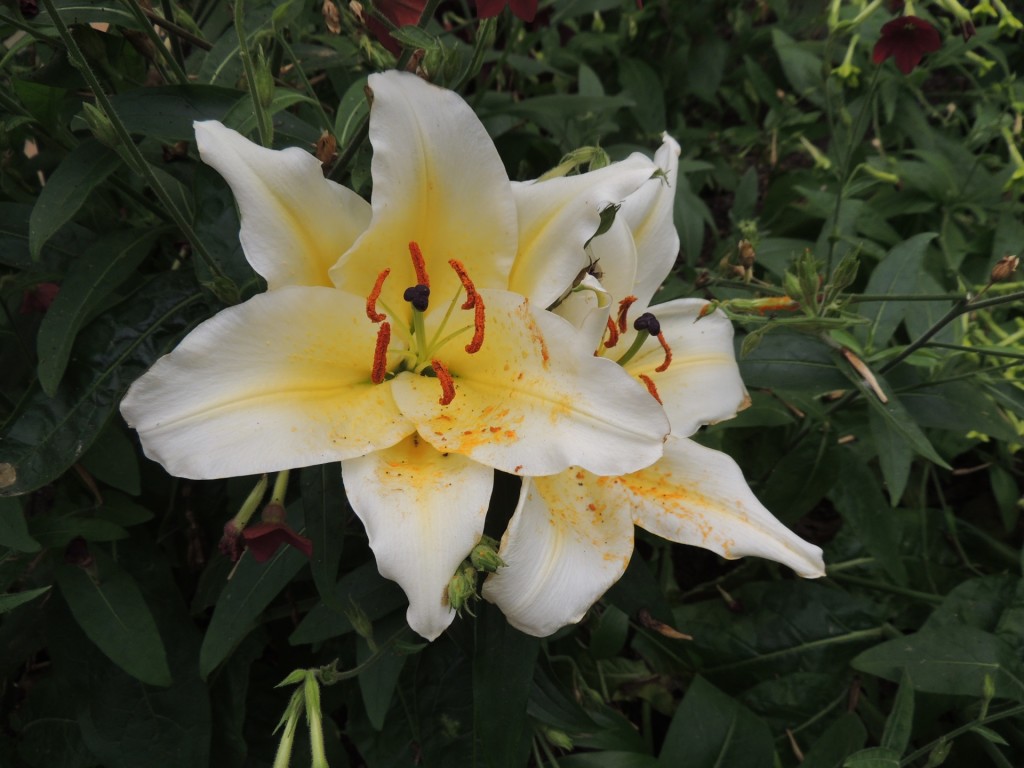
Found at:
(485, 556)
(556, 738)
(100, 125)
(462, 588)
(264, 79)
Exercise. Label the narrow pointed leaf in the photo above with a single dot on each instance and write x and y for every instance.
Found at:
(13, 528)
(251, 589)
(100, 270)
(67, 189)
(115, 616)
(900, 724)
(10, 602)
(325, 510)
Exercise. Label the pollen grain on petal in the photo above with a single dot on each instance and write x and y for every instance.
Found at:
(668, 353)
(444, 377)
(536, 335)
(380, 353)
(371, 300)
(624, 306)
(649, 383)
(419, 264)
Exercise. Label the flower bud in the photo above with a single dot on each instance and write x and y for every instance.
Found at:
(485, 556)
(1004, 269)
(556, 738)
(100, 126)
(747, 254)
(264, 79)
(462, 588)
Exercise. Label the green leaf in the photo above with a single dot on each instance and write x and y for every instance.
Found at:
(112, 459)
(802, 67)
(893, 412)
(841, 739)
(608, 760)
(50, 434)
(958, 406)
(325, 510)
(895, 454)
(859, 500)
(503, 661)
(711, 729)
(874, 757)
(111, 610)
(81, 12)
(61, 249)
(898, 273)
(641, 82)
(10, 602)
(47, 726)
(166, 113)
(56, 531)
(792, 361)
(899, 726)
(13, 528)
(85, 168)
(352, 108)
(364, 587)
(251, 589)
(108, 263)
(378, 681)
(954, 660)
(801, 478)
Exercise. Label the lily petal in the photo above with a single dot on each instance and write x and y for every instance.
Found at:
(423, 512)
(588, 308)
(703, 383)
(280, 381)
(564, 547)
(558, 216)
(437, 181)
(534, 400)
(698, 496)
(648, 214)
(295, 223)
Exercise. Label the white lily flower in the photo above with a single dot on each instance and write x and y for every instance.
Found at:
(420, 394)
(571, 535)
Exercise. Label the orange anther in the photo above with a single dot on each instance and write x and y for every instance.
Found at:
(380, 353)
(650, 386)
(473, 301)
(467, 283)
(668, 354)
(371, 300)
(419, 264)
(624, 306)
(445, 379)
(613, 334)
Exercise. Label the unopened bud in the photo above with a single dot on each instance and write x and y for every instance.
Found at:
(462, 588)
(747, 254)
(792, 285)
(326, 148)
(485, 556)
(1004, 269)
(264, 79)
(359, 620)
(556, 738)
(231, 542)
(100, 126)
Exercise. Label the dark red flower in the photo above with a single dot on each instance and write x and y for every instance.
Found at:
(38, 298)
(907, 39)
(401, 13)
(264, 539)
(524, 9)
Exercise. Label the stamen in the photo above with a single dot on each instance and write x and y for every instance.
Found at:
(473, 301)
(445, 379)
(624, 306)
(418, 296)
(613, 334)
(371, 300)
(467, 283)
(380, 353)
(668, 354)
(650, 386)
(419, 264)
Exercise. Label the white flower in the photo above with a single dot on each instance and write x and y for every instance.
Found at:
(420, 398)
(571, 536)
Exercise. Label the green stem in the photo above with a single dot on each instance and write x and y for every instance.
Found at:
(881, 586)
(325, 120)
(927, 748)
(179, 55)
(280, 487)
(77, 58)
(154, 38)
(978, 350)
(262, 123)
(175, 29)
(870, 297)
